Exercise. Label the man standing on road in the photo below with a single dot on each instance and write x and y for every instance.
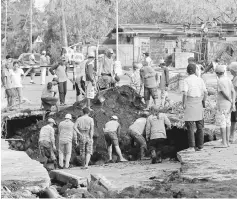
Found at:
(32, 65)
(148, 79)
(66, 135)
(225, 104)
(7, 83)
(47, 142)
(90, 79)
(112, 136)
(106, 70)
(17, 76)
(44, 61)
(61, 71)
(194, 97)
(84, 126)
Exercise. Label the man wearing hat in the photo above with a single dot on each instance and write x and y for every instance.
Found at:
(112, 136)
(194, 96)
(60, 70)
(90, 78)
(44, 61)
(136, 132)
(48, 96)
(225, 104)
(47, 142)
(66, 135)
(233, 70)
(106, 70)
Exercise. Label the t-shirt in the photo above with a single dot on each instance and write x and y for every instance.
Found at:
(149, 61)
(66, 131)
(85, 123)
(61, 73)
(48, 93)
(16, 78)
(111, 126)
(47, 134)
(44, 61)
(139, 125)
(194, 86)
(222, 102)
(7, 73)
(148, 75)
(80, 71)
(107, 65)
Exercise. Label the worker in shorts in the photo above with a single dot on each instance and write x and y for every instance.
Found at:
(136, 132)
(90, 78)
(84, 126)
(47, 142)
(156, 133)
(112, 136)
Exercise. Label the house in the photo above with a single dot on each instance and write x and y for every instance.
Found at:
(172, 42)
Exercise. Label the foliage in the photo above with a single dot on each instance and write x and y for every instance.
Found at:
(91, 20)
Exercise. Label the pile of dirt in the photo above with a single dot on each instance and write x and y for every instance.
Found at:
(121, 101)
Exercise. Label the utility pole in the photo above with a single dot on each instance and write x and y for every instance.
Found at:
(117, 35)
(31, 5)
(5, 42)
(64, 29)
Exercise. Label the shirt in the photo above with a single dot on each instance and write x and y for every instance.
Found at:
(48, 93)
(32, 58)
(7, 74)
(85, 123)
(107, 65)
(139, 126)
(47, 134)
(61, 73)
(80, 70)
(89, 71)
(164, 80)
(149, 61)
(194, 86)
(222, 102)
(135, 79)
(155, 126)
(66, 131)
(148, 76)
(16, 77)
(111, 126)
(234, 82)
(44, 61)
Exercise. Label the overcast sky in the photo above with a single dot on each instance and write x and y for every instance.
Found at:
(40, 3)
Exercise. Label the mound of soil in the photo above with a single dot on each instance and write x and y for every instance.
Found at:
(123, 102)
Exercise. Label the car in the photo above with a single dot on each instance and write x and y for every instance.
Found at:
(24, 62)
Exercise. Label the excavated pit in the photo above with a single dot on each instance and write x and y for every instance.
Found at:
(121, 101)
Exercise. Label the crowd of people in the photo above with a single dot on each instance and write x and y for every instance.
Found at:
(148, 131)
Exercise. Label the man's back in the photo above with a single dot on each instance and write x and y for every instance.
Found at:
(148, 75)
(139, 125)
(111, 126)
(66, 131)
(46, 134)
(84, 123)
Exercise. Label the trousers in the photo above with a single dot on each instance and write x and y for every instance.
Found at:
(64, 149)
(62, 89)
(43, 75)
(191, 134)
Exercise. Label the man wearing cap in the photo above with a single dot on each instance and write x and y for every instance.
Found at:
(44, 61)
(148, 79)
(84, 126)
(106, 70)
(66, 135)
(225, 104)
(136, 132)
(194, 96)
(90, 78)
(47, 142)
(112, 136)
(48, 96)
(233, 70)
(61, 71)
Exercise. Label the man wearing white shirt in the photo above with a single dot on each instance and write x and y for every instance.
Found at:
(148, 59)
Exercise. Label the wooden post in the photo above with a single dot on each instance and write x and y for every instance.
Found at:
(31, 5)
(117, 35)
(5, 42)
(64, 29)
